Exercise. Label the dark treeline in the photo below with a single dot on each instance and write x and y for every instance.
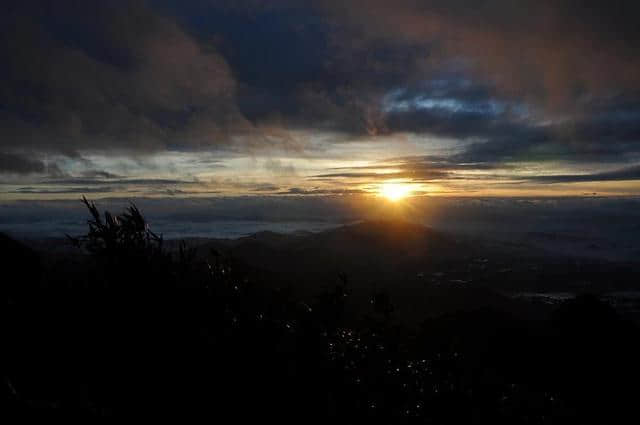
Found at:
(130, 329)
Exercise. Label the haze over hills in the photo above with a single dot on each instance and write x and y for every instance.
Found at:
(380, 252)
(598, 228)
(380, 249)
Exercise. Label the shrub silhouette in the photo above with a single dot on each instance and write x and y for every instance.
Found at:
(117, 236)
(125, 244)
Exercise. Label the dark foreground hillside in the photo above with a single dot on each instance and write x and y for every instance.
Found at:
(128, 329)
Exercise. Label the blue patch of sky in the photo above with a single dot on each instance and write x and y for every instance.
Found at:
(450, 95)
(490, 107)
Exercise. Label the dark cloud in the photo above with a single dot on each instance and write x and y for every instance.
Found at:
(98, 174)
(318, 191)
(128, 76)
(502, 131)
(628, 173)
(541, 80)
(415, 175)
(43, 191)
(118, 182)
(108, 76)
(292, 64)
(610, 222)
(550, 50)
(180, 192)
(265, 187)
(431, 162)
(18, 164)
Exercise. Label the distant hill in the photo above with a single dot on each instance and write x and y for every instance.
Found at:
(368, 252)
(426, 271)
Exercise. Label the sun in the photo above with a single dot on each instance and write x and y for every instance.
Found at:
(395, 191)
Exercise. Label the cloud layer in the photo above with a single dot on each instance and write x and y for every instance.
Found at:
(497, 86)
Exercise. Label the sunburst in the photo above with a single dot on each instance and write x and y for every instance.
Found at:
(395, 191)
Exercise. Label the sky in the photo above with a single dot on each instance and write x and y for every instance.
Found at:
(326, 98)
